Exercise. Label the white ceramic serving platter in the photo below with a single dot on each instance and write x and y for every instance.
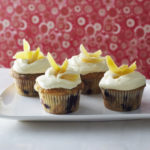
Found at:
(14, 106)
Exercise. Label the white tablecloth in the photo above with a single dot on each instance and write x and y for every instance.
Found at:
(115, 135)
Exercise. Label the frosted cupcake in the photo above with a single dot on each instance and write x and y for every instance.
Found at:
(59, 89)
(122, 87)
(91, 66)
(27, 67)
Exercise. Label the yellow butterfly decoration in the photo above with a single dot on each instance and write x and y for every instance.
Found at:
(119, 71)
(61, 69)
(31, 56)
(90, 57)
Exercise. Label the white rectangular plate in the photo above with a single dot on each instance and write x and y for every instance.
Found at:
(14, 106)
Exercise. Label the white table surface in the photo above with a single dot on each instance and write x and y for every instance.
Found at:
(113, 135)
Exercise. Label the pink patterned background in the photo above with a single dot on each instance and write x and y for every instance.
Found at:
(117, 27)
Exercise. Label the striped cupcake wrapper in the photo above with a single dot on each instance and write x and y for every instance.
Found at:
(25, 87)
(91, 83)
(57, 104)
(25, 83)
(122, 100)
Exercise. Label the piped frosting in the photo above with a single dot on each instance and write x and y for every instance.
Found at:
(30, 62)
(59, 76)
(85, 62)
(121, 78)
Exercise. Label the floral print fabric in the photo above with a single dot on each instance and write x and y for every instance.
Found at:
(120, 28)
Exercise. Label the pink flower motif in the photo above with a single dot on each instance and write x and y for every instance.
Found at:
(132, 53)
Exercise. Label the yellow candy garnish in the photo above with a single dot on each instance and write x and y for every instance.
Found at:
(31, 56)
(119, 71)
(26, 46)
(91, 60)
(61, 69)
(53, 63)
(90, 57)
(71, 77)
(57, 68)
(84, 51)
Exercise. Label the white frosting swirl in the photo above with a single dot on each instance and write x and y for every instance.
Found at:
(83, 68)
(126, 82)
(50, 81)
(39, 66)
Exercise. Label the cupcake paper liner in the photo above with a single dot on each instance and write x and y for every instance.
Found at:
(24, 83)
(122, 100)
(59, 101)
(25, 87)
(60, 104)
(91, 83)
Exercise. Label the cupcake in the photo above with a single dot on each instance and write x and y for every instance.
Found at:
(91, 67)
(122, 87)
(27, 67)
(59, 89)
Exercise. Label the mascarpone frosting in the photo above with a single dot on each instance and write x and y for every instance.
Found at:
(125, 82)
(39, 66)
(83, 68)
(50, 81)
